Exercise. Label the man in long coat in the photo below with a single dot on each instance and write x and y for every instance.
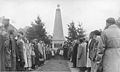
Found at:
(74, 54)
(13, 50)
(111, 40)
(2, 53)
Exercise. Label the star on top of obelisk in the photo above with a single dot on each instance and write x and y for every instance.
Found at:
(58, 5)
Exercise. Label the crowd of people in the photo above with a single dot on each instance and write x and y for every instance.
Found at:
(17, 53)
(99, 53)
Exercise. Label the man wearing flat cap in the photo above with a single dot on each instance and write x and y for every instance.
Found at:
(111, 42)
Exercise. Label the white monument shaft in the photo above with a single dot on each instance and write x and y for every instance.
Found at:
(58, 36)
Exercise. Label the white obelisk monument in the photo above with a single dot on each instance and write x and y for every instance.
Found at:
(58, 36)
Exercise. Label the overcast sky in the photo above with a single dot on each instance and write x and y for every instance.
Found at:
(92, 13)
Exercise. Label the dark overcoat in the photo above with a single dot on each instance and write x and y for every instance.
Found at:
(74, 53)
(2, 53)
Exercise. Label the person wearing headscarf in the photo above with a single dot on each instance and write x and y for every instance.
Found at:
(111, 40)
(40, 48)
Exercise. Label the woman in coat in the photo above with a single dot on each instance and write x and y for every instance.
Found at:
(25, 53)
(32, 56)
(29, 49)
(40, 48)
(81, 55)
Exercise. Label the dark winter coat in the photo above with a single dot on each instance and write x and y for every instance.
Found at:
(74, 53)
(2, 53)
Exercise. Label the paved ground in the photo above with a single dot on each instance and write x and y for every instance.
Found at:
(72, 69)
(57, 64)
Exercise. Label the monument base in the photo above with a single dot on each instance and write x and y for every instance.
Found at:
(57, 45)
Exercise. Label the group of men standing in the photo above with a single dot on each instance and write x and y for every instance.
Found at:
(101, 53)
